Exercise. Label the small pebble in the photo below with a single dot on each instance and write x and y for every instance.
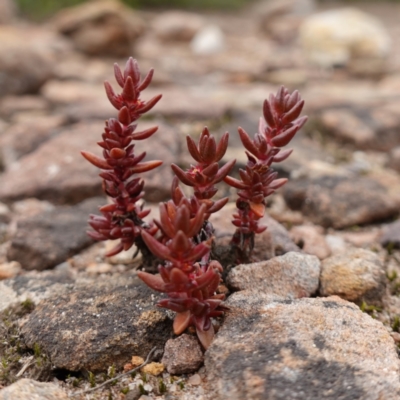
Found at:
(136, 361)
(153, 368)
(194, 380)
(9, 270)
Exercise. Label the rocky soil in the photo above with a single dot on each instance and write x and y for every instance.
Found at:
(316, 317)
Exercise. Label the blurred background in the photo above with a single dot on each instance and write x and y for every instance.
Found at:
(215, 62)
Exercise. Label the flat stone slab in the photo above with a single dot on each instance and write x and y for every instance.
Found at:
(95, 326)
(354, 275)
(319, 348)
(35, 286)
(291, 276)
(57, 172)
(340, 202)
(29, 389)
(51, 237)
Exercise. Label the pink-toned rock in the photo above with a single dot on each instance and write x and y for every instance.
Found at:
(311, 240)
(72, 92)
(9, 270)
(272, 242)
(182, 355)
(100, 27)
(46, 239)
(10, 105)
(64, 176)
(24, 137)
(293, 275)
(25, 62)
(8, 11)
(61, 176)
(301, 349)
(177, 25)
(29, 389)
(341, 201)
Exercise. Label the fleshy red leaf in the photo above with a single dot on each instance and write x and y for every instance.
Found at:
(293, 113)
(158, 249)
(146, 81)
(183, 177)
(222, 146)
(206, 337)
(146, 166)
(224, 171)
(96, 160)
(144, 134)
(283, 155)
(194, 152)
(285, 137)
(235, 183)
(149, 104)
(268, 114)
(181, 322)
(118, 75)
(247, 142)
(153, 281)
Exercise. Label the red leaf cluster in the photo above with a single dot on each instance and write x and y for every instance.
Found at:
(123, 218)
(258, 180)
(205, 173)
(189, 284)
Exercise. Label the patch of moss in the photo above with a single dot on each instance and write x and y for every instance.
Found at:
(42, 9)
(13, 349)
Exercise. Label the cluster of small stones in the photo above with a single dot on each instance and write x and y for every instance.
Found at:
(317, 315)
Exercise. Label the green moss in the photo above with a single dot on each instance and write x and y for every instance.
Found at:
(92, 379)
(142, 390)
(396, 324)
(12, 349)
(45, 8)
(125, 390)
(162, 387)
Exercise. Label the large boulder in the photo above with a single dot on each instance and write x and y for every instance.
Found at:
(323, 348)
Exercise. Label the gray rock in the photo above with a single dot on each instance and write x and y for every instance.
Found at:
(98, 325)
(29, 389)
(302, 349)
(36, 286)
(49, 238)
(290, 276)
(182, 355)
(339, 201)
(355, 275)
(391, 235)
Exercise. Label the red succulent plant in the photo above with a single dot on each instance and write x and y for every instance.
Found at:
(123, 218)
(188, 278)
(187, 275)
(258, 180)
